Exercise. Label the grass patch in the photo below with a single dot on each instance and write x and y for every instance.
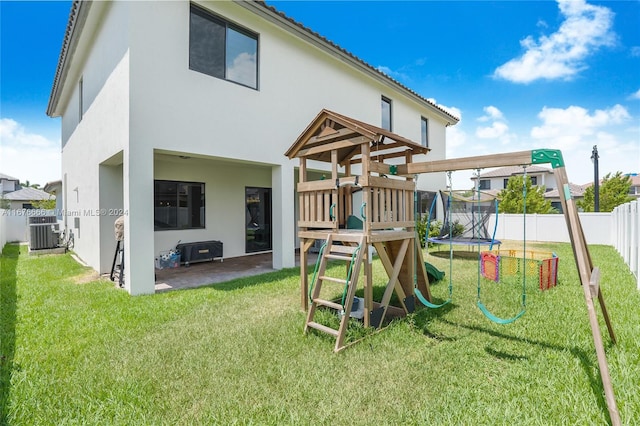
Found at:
(234, 353)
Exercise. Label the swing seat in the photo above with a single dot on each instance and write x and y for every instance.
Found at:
(496, 319)
(428, 304)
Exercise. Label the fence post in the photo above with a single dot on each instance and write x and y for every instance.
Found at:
(633, 237)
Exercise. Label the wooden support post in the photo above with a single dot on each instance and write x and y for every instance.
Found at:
(366, 196)
(583, 262)
(393, 271)
(368, 287)
(305, 245)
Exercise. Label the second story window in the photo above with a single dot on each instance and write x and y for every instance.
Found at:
(222, 49)
(424, 131)
(386, 113)
(484, 184)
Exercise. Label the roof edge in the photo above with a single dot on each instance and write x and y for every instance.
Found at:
(271, 13)
(80, 10)
(77, 18)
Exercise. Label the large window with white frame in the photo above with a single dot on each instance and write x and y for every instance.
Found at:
(385, 106)
(222, 49)
(178, 205)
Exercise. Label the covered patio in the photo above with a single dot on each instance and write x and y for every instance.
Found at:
(205, 273)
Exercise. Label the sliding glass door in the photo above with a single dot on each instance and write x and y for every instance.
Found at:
(258, 219)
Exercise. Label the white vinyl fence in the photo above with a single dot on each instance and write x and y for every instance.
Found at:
(14, 224)
(626, 229)
(553, 227)
(3, 228)
(620, 229)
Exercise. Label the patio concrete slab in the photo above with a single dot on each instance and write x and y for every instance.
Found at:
(204, 273)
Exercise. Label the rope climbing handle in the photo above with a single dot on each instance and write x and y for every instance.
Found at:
(332, 216)
(362, 211)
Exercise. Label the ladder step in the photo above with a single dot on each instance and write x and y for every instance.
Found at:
(338, 257)
(328, 303)
(348, 237)
(333, 280)
(343, 249)
(323, 328)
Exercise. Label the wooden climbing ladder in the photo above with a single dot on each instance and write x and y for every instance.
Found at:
(351, 249)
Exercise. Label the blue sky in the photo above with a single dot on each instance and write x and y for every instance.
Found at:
(521, 75)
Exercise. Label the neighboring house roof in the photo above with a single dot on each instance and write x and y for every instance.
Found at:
(493, 192)
(28, 194)
(513, 171)
(52, 186)
(80, 10)
(7, 177)
(576, 191)
(634, 177)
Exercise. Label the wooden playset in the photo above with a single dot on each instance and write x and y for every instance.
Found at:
(380, 166)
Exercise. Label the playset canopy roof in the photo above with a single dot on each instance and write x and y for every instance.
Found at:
(332, 131)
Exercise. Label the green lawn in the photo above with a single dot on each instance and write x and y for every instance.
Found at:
(75, 352)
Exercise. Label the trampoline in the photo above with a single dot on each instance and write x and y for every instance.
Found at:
(466, 218)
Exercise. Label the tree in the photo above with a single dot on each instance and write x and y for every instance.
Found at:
(28, 184)
(511, 200)
(614, 190)
(49, 204)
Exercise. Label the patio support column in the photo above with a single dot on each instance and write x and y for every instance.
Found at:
(138, 207)
(283, 211)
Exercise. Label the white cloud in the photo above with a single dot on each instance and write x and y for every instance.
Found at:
(28, 156)
(396, 75)
(492, 113)
(635, 95)
(575, 131)
(635, 51)
(496, 130)
(11, 133)
(562, 54)
(569, 127)
(243, 69)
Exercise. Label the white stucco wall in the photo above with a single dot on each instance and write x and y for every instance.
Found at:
(141, 101)
(547, 180)
(179, 109)
(100, 135)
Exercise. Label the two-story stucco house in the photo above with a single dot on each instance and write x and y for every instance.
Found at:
(496, 180)
(177, 115)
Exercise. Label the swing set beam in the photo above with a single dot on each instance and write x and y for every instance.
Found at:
(581, 253)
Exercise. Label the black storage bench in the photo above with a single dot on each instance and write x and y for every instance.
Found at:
(200, 251)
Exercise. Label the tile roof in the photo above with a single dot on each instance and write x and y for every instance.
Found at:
(354, 57)
(576, 191)
(28, 194)
(79, 11)
(7, 177)
(635, 180)
(513, 171)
